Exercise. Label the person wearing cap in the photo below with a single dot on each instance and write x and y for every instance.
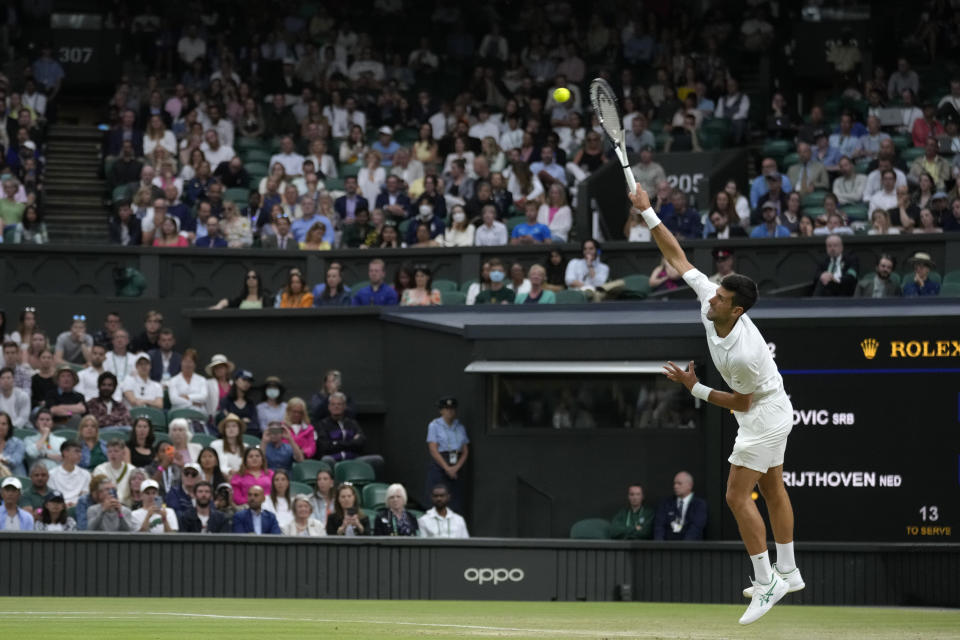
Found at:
(237, 402)
(385, 145)
(13, 517)
(181, 497)
(273, 408)
(203, 516)
(723, 259)
(69, 477)
(107, 411)
(448, 446)
(921, 284)
(153, 516)
(760, 186)
(63, 402)
(837, 271)
(116, 469)
(188, 389)
(138, 389)
(770, 227)
(53, 515)
(73, 346)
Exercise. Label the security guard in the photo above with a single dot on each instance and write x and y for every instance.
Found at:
(448, 443)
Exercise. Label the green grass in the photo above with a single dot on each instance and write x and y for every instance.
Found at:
(224, 618)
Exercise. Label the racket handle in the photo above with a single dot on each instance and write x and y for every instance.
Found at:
(625, 164)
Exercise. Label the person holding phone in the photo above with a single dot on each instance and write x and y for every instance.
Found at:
(108, 514)
(153, 516)
(347, 519)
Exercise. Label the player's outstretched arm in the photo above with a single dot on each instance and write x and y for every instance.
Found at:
(733, 401)
(665, 240)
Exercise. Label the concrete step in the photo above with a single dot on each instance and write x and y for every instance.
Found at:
(73, 203)
(70, 190)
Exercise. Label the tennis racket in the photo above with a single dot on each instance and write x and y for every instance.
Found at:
(604, 103)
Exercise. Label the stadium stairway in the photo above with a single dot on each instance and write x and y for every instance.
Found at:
(73, 202)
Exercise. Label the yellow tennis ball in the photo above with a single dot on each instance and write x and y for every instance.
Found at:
(561, 95)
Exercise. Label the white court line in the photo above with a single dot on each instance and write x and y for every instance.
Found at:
(466, 627)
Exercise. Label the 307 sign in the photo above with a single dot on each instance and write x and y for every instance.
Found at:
(76, 55)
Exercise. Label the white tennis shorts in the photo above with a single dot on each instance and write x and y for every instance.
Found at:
(762, 438)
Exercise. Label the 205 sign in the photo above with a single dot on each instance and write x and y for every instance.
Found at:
(686, 182)
(75, 55)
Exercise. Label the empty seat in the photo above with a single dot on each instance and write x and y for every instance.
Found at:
(591, 529)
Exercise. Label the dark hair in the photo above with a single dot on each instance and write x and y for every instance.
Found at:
(887, 256)
(202, 483)
(407, 269)
(6, 370)
(273, 487)
(26, 223)
(70, 444)
(148, 442)
(218, 477)
(425, 270)
(9, 433)
(337, 509)
(244, 290)
(106, 375)
(744, 290)
(116, 442)
(45, 514)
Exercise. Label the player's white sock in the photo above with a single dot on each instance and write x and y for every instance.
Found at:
(762, 572)
(785, 561)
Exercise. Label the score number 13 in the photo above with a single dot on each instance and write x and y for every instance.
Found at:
(930, 513)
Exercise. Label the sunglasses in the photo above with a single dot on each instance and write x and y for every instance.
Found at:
(80, 317)
(30, 309)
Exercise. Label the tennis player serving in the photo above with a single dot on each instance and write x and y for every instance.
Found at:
(761, 407)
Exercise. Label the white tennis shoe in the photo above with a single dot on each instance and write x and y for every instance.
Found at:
(793, 579)
(764, 597)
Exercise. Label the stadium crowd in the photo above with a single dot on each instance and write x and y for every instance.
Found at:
(103, 432)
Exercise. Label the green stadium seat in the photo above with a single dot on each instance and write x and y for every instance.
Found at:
(238, 195)
(406, 137)
(306, 471)
(662, 138)
(9, 235)
(375, 495)
(403, 226)
(203, 439)
(297, 488)
(952, 277)
(23, 433)
(445, 285)
(453, 298)
(188, 413)
(863, 165)
(333, 184)
(114, 433)
(119, 193)
(157, 417)
(161, 436)
(243, 143)
(815, 212)
(355, 471)
(348, 170)
(66, 434)
(416, 513)
(513, 221)
(255, 155)
(274, 144)
(256, 168)
(910, 154)
(813, 199)
(571, 296)
(251, 440)
(950, 290)
(465, 286)
(359, 285)
(901, 142)
(791, 159)
(856, 211)
(591, 529)
(637, 285)
(370, 513)
(777, 149)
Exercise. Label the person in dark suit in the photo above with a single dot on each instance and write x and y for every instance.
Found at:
(126, 130)
(164, 352)
(125, 221)
(682, 517)
(392, 200)
(255, 519)
(283, 239)
(722, 228)
(837, 272)
(880, 285)
(215, 521)
(348, 204)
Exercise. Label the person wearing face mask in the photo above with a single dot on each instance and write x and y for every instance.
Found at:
(461, 232)
(499, 292)
(424, 216)
(273, 408)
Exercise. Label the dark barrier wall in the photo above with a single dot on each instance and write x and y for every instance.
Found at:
(144, 565)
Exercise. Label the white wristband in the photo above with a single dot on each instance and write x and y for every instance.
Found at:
(701, 391)
(650, 217)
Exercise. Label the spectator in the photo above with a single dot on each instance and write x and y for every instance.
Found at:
(180, 436)
(12, 449)
(547, 169)
(31, 229)
(125, 228)
(347, 519)
(921, 284)
(589, 272)
(62, 401)
(219, 382)
(684, 138)
(635, 521)
(105, 408)
(203, 517)
(441, 521)
(14, 402)
(273, 408)
(395, 520)
(164, 361)
(926, 127)
(492, 233)
(13, 348)
(683, 222)
(722, 229)
(734, 106)
(291, 160)
(932, 164)
(498, 292)
(760, 185)
(211, 239)
(556, 214)
(422, 294)
(635, 229)
(280, 447)
(53, 515)
(252, 295)
(664, 277)
(235, 228)
(39, 476)
(771, 227)
(872, 142)
(69, 478)
(448, 445)
(73, 346)
(461, 233)
(951, 221)
(116, 469)
(139, 451)
(43, 381)
(187, 389)
(838, 270)
(385, 145)
(808, 175)
(638, 138)
(881, 285)
(295, 294)
(230, 446)
(14, 518)
(93, 450)
(537, 294)
(210, 471)
(119, 361)
(164, 468)
(237, 402)
(339, 436)
(685, 515)
(253, 472)
(153, 516)
(905, 215)
(924, 195)
(322, 499)
(426, 217)
(376, 293)
(108, 513)
(886, 197)
(302, 524)
(278, 502)
(44, 444)
(523, 185)
(880, 224)
(874, 178)
(850, 185)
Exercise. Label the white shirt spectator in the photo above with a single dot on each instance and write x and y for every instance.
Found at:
(120, 477)
(449, 525)
(168, 141)
(17, 406)
(121, 366)
(511, 139)
(439, 123)
(735, 107)
(38, 102)
(875, 182)
(883, 200)
(482, 130)
(513, 186)
(292, 162)
(850, 190)
(494, 236)
(223, 153)
(361, 67)
(343, 120)
(156, 523)
(577, 269)
(561, 223)
(423, 57)
(224, 129)
(72, 484)
(195, 390)
(282, 510)
(324, 165)
(88, 384)
(190, 49)
(146, 390)
(229, 462)
(370, 186)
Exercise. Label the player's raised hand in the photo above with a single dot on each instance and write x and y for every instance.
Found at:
(639, 199)
(674, 373)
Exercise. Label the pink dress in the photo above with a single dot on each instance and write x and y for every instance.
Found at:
(306, 439)
(241, 484)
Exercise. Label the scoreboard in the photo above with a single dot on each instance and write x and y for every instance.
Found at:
(874, 454)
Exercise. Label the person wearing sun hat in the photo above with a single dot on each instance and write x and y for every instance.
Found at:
(229, 446)
(921, 284)
(63, 402)
(218, 380)
(12, 517)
